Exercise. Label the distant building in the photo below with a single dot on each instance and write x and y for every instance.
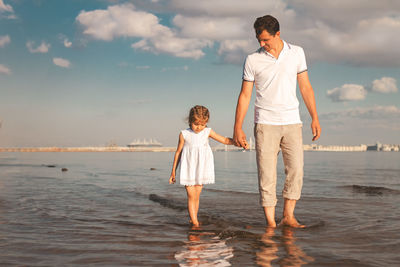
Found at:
(145, 143)
(315, 147)
(389, 148)
(376, 147)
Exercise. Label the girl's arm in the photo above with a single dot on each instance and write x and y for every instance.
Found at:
(220, 138)
(177, 158)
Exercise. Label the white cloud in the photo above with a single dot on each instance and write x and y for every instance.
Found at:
(119, 21)
(362, 49)
(361, 125)
(142, 67)
(353, 92)
(205, 27)
(230, 25)
(346, 13)
(222, 8)
(355, 35)
(347, 92)
(168, 43)
(61, 62)
(67, 43)
(184, 68)
(5, 8)
(368, 113)
(234, 51)
(4, 40)
(385, 85)
(125, 21)
(42, 48)
(4, 70)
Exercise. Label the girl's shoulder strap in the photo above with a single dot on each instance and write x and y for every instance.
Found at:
(185, 132)
(208, 130)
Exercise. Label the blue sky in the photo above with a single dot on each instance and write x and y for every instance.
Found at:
(85, 73)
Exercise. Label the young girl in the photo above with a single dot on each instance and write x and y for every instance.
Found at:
(196, 158)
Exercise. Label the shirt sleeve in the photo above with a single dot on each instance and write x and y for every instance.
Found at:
(248, 73)
(302, 66)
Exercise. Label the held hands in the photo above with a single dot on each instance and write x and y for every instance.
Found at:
(239, 139)
(244, 144)
(172, 179)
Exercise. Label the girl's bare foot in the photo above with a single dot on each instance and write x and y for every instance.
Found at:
(194, 224)
(291, 222)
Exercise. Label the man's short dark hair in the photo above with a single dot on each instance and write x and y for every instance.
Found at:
(268, 23)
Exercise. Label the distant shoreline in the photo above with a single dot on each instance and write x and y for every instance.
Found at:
(87, 149)
(317, 148)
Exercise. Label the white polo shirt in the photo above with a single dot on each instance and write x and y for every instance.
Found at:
(275, 80)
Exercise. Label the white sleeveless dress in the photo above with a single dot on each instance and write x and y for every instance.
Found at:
(197, 160)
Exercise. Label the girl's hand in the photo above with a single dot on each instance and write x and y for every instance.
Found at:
(172, 179)
(245, 145)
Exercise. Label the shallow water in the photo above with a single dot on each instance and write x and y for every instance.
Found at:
(111, 209)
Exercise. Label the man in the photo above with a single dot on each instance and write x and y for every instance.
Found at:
(274, 69)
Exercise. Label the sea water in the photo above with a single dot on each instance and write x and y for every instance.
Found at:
(117, 209)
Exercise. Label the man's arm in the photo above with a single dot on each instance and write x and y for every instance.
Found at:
(307, 93)
(239, 137)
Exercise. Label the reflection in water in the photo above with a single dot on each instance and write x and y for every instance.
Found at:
(268, 252)
(293, 255)
(204, 248)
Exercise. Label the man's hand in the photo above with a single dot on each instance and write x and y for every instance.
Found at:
(307, 93)
(239, 138)
(316, 129)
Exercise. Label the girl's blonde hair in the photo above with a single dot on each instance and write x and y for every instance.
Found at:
(198, 113)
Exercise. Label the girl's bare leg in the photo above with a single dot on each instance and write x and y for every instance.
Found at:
(198, 189)
(193, 194)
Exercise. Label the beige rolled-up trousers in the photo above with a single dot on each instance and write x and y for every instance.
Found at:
(269, 139)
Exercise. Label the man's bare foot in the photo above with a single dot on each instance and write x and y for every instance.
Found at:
(269, 213)
(291, 222)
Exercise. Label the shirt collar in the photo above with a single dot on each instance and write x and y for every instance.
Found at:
(286, 47)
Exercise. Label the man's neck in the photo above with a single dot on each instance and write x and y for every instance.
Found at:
(275, 51)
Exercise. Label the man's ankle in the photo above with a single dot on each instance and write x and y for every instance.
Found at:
(288, 216)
